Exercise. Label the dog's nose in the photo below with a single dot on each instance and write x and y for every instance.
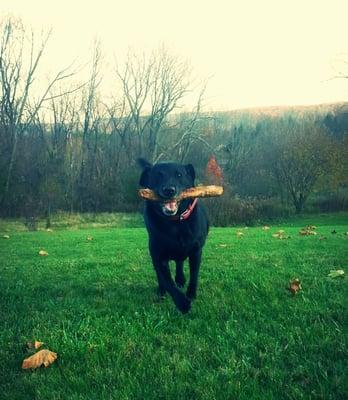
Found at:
(169, 191)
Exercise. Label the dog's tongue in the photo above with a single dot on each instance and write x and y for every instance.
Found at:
(171, 205)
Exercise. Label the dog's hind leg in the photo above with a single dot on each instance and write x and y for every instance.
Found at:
(166, 281)
(179, 274)
(194, 262)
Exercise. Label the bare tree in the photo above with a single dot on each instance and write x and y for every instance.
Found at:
(300, 154)
(20, 57)
(91, 120)
(153, 87)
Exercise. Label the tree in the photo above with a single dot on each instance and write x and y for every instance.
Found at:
(152, 87)
(299, 155)
(20, 57)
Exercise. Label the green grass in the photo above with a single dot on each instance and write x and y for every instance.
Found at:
(246, 337)
(64, 220)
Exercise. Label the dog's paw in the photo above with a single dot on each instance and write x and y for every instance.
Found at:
(191, 294)
(180, 281)
(184, 305)
(161, 293)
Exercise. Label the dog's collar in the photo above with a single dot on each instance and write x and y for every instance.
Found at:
(186, 214)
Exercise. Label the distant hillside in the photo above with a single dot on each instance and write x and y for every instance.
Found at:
(275, 111)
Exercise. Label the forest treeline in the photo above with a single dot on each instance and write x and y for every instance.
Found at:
(65, 146)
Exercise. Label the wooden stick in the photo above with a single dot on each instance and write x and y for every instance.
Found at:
(198, 191)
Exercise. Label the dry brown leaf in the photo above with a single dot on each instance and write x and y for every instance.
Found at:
(42, 357)
(281, 235)
(295, 286)
(37, 344)
(34, 345)
(308, 231)
(43, 253)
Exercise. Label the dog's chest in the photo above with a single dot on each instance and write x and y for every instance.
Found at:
(178, 241)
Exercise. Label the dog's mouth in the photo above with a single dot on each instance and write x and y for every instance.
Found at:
(170, 207)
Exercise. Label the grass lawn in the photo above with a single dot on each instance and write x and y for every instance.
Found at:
(246, 337)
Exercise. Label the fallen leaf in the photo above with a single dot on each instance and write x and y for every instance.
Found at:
(222, 245)
(34, 345)
(281, 235)
(239, 234)
(295, 286)
(49, 230)
(6, 236)
(266, 227)
(89, 238)
(45, 357)
(336, 273)
(37, 344)
(307, 232)
(43, 253)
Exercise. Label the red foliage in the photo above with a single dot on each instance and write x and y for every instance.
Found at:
(213, 172)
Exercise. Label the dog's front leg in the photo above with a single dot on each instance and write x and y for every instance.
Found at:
(179, 275)
(165, 281)
(194, 262)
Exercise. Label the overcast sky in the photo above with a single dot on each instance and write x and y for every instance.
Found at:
(256, 53)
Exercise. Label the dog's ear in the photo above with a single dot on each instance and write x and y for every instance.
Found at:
(191, 171)
(146, 167)
(143, 163)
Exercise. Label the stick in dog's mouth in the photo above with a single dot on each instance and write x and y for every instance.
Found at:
(198, 191)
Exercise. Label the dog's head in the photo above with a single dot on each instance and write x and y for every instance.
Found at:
(167, 180)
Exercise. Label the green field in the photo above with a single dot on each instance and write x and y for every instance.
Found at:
(246, 337)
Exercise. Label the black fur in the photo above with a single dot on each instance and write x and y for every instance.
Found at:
(170, 238)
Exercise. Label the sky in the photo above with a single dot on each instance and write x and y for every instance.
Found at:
(253, 53)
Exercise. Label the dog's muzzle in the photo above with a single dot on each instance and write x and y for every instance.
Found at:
(170, 207)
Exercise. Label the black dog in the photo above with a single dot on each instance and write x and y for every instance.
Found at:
(177, 230)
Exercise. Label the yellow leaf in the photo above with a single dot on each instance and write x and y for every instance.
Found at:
(307, 231)
(43, 253)
(34, 345)
(45, 357)
(336, 273)
(37, 344)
